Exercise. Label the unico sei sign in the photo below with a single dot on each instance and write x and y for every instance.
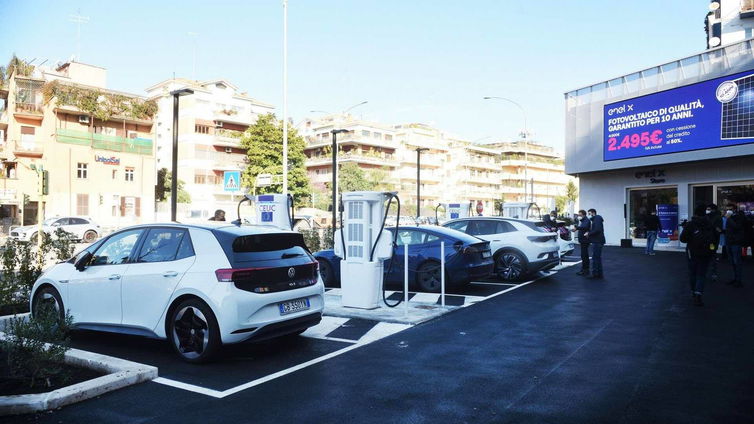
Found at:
(710, 114)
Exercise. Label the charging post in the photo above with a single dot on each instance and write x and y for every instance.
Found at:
(442, 273)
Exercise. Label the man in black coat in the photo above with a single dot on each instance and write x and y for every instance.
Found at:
(735, 239)
(583, 225)
(715, 219)
(652, 224)
(596, 237)
(700, 244)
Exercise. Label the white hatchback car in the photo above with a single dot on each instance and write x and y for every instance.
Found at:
(197, 286)
(81, 228)
(519, 247)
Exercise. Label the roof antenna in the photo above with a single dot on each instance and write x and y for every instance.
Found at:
(78, 20)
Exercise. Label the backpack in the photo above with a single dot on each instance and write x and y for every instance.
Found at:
(700, 239)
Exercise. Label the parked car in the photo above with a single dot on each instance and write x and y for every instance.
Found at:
(80, 228)
(466, 259)
(519, 247)
(565, 239)
(197, 286)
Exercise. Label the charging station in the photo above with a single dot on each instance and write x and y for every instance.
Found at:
(363, 244)
(273, 210)
(453, 211)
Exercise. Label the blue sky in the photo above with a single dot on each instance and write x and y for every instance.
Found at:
(413, 61)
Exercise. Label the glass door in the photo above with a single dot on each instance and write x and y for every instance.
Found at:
(641, 201)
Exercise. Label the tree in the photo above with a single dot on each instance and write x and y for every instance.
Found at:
(164, 187)
(572, 192)
(264, 144)
(353, 178)
(560, 203)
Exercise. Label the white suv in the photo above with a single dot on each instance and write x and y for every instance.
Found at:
(519, 247)
(196, 286)
(80, 228)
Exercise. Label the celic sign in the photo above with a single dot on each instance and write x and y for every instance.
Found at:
(709, 114)
(112, 160)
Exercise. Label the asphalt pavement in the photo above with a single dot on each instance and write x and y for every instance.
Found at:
(564, 349)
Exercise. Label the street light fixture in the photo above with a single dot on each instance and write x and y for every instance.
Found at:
(335, 175)
(526, 142)
(419, 151)
(174, 183)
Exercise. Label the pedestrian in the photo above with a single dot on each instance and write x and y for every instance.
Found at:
(596, 237)
(735, 238)
(652, 224)
(699, 238)
(716, 220)
(582, 228)
(219, 215)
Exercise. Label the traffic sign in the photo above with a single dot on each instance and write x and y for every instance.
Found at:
(264, 180)
(232, 181)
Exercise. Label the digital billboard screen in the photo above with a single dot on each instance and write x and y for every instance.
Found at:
(705, 115)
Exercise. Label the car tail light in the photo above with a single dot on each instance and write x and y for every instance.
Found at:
(267, 279)
(229, 275)
(468, 250)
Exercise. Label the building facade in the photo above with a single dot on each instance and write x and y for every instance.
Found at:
(100, 161)
(211, 121)
(728, 22)
(666, 138)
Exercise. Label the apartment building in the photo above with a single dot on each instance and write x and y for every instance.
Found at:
(372, 146)
(728, 22)
(431, 148)
(96, 144)
(211, 121)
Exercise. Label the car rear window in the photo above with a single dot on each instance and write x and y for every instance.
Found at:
(259, 247)
(536, 226)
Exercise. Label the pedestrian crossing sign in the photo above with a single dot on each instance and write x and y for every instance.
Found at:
(232, 181)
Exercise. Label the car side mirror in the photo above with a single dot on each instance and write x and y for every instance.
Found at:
(83, 261)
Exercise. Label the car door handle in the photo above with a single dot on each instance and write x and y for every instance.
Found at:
(170, 274)
(114, 277)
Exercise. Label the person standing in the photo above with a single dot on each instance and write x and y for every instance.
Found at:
(596, 237)
(582, 228)
(219, 216)
(716, 220)
(652, 223)
(699, 238)
(735, 238)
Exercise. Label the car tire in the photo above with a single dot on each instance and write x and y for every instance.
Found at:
(47, 296)
(326, 272)
(510, 266)
(89, 236)
(193, 331)
(428, 277)
(33, 238)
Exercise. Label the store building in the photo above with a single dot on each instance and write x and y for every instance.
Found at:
(665, 138)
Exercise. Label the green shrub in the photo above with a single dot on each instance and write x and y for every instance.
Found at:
(327, 238)
(311, 238)
(36, 347)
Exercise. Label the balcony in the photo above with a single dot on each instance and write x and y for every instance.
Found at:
(747, 9)
(33, 111)
(229, 138)
(28, 148)
(384, 159)
(141, 146)
(352, 139)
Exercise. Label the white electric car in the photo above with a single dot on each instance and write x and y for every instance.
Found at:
(519, 247)
(80, 228)
(197, 286)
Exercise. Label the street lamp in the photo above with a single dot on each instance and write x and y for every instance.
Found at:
(526, 142)
(419, 151)
(335, 175)
(174, 183)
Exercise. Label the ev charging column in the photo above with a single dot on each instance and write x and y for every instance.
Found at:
(361, 279)
(272, 210)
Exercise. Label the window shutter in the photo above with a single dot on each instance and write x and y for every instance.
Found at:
(138, 206)
(122, 206)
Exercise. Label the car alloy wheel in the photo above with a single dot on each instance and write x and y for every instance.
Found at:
(428, 277)
(190, 332)
(47, 299)
(510, 266)
(325, 271)
(90, 236)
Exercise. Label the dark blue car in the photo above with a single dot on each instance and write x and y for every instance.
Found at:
(467, 258)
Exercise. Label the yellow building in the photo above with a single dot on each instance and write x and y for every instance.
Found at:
(95, 143)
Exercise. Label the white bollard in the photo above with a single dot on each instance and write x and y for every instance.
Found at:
(405, 280)
(442, 273)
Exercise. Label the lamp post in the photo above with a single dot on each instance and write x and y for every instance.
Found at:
(174, 182)
(419, 151)
(285, 96)
(335, 175)
(526, 142)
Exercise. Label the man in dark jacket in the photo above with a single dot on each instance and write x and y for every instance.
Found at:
(715, 219)
(583, 225)
(652, 223)
(596, 237)
(699, 238)
(735, 238)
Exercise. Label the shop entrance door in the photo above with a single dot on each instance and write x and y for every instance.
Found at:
(640, 202)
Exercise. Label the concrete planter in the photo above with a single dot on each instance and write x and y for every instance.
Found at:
(119, 373)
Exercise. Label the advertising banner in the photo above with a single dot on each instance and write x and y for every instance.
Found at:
(705, 115)
(668, 215)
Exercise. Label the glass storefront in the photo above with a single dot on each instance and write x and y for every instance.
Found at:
(741, 195)
(643, 200)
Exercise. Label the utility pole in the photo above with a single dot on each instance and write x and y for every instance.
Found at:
(285, 97)
(419, 151)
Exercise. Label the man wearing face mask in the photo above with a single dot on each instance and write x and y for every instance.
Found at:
(716, 220)
(596, 237)
(735, 238)
(582, 228)
(652, 223)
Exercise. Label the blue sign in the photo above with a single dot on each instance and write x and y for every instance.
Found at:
(668, 215)
(232, 181)
(266, 216)
(705, 115)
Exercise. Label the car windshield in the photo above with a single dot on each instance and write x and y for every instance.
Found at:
(49, 221)
(536, 226)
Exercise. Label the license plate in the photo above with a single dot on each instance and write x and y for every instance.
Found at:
(293, 306)
(486, 253)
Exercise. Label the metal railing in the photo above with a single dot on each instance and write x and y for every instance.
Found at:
(142, 146)
(32, 108)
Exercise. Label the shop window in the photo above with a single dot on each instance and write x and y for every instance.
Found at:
(740, 196)
(82, 170)
(82, 204)
(129, 174)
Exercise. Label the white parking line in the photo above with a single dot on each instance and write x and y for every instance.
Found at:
(494, 284)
